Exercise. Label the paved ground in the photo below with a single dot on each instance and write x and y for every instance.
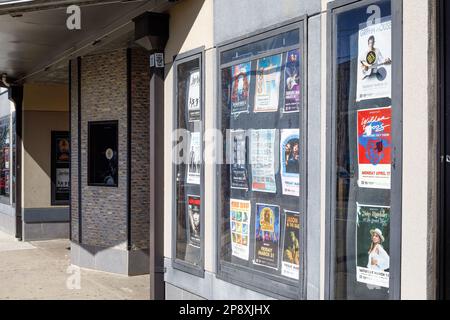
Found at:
(40, 270)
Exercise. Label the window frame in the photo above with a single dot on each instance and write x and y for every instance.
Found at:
(334, 8)
(178, 264)
(7, 199)
(240, 275)
(93, 123)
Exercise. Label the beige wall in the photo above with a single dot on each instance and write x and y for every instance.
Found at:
(45, 110)
(416, 36)
(191, 27)
(46, 97)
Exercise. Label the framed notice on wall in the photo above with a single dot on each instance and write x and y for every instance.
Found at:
(60, 167)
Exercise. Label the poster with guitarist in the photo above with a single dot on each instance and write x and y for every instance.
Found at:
(374, 61)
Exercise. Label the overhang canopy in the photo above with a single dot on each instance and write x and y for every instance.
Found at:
(35, 43)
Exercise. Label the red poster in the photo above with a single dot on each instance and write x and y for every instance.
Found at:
(374, 148)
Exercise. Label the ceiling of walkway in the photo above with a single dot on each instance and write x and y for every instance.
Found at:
(36, 44)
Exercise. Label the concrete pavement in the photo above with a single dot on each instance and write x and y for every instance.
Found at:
(41, 270)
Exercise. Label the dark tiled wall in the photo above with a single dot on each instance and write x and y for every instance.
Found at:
(104, 97)
(140, 149)
(74, 149)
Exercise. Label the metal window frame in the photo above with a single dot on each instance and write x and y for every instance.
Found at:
(333, 9)
(243, 276)
(199, 271)
(7, 200)
(90, 124)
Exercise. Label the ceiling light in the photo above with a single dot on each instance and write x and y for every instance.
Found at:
(5, 2)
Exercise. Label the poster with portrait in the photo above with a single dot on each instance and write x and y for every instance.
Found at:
(60, 163)
(374, 148)
(262, 160)
(6, 157)
(267, 235)
(290, 161)
(292, 82)
(194, 160)
(372, 245)
(267, 91)
(240, 214)
(193, 99)
(62, 180)
(238, 172)
(374, 61)
(240, 88)
(62, 149)
(290, 265)
(194, 221)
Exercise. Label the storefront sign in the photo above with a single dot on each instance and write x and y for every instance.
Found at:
(290, 161)
(267, 235)
(193, 100)
(372, 245)
(374, 61)
(240, 88)
(240, 215)
(263, 160)
(239, 174)
(267, 92)
(193, 212)
(292, 82)
(291, 246)
(374, 148)
(194, 161)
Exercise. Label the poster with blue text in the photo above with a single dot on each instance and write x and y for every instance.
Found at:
(292, 82)
(267, 235)
(262, 160)
(290, 161)
(268, 75)
(240, 89)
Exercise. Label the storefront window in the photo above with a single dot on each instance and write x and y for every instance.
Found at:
(103, 154)
(364, 120)
(261, 181)
(5, 158)
(188, 165)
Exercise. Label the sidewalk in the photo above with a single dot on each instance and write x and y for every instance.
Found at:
(39, 270)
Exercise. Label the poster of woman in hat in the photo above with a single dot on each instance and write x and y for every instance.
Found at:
(372, 245)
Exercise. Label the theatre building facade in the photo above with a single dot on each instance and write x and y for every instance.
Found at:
(236, 149)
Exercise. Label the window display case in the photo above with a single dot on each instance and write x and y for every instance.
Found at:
(261, 184)
(365, 138)
(188, 163)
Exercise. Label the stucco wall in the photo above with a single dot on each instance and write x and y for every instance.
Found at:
(234, 18)
(37, 128)
(46, 109)
(416, 185)
(191, 27)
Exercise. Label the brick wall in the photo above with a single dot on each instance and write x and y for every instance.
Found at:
(104, 97)
(140, 149)
(74, 149)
